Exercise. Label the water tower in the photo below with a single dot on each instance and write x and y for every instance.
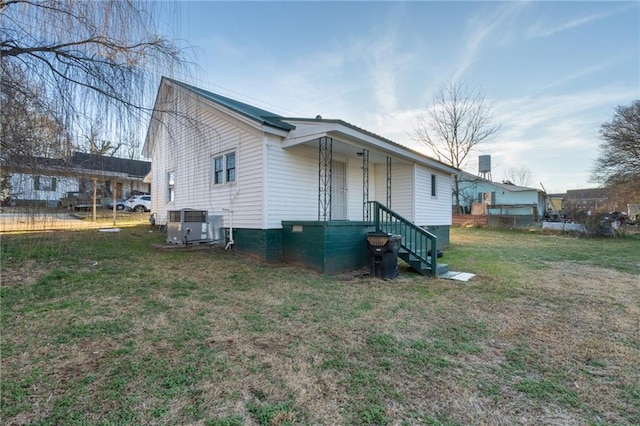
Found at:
(484, 167)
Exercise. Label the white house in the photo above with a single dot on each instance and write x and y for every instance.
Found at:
(501, 199)
(301, 189)
(39, 180)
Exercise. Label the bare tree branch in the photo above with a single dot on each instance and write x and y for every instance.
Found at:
(89, 60)
(456, 123)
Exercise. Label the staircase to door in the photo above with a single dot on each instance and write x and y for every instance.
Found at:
(418, 247)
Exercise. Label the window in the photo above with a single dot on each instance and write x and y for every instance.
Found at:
(433, 185)
(223, 169)
(44, 183)
(171, 187)
(218, 172)
(231, 167)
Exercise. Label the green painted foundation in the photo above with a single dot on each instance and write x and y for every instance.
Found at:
(442, 233)
(328, 247)
(265, 243)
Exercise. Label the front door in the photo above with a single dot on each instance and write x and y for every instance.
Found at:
(339, 191)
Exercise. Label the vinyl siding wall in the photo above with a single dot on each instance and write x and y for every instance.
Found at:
(291, 184)
(23, 187)
(401, 188)
(432, 210)
(188, 149)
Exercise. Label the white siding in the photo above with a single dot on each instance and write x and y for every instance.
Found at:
(432, 210)
(23, 188)
(187, 148)
(402, 193)
(292, 184)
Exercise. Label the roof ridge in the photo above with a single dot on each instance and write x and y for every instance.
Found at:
(257, 114)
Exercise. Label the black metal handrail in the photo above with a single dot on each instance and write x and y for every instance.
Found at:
(415, 240)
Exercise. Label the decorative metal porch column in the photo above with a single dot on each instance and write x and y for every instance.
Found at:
(325, 160)
(365, 185)
(388, 182)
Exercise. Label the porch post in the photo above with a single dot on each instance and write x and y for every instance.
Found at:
(325, 157)
(365, 185)
(388, 182)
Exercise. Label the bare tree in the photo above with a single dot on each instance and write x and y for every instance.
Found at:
(618, 165)
(89, 59)
(520, 176)
(458, 121)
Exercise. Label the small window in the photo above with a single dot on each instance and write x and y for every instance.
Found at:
(218, 172)
(433, 185)
(171, 186)
(231, 167)
(44, 183)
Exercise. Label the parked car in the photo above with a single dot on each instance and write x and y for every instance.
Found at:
(138, 203)
(119, 204)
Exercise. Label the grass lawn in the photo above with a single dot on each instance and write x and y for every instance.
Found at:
(101, 328)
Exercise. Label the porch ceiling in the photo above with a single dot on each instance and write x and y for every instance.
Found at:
(348, 150)
(348, 140)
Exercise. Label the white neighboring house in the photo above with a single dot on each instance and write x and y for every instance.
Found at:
(501, 199)
(274, 179)
(39, 180)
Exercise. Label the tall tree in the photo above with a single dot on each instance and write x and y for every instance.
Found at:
(90, 58)
(618, 164)
(456, 123)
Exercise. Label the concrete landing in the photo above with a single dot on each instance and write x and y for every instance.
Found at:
(457, 276)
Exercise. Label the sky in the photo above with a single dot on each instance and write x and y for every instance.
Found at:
(552, 72)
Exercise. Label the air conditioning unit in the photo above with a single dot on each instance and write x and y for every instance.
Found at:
(187, 226)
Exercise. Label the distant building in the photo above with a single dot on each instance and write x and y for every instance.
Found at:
(590, 199)
(40, 180)
(501, 200)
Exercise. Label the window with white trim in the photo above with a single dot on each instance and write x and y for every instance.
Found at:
(171, 187)
(223, 169)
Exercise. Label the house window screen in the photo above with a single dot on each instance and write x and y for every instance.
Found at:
(231, 167)
(218, 172)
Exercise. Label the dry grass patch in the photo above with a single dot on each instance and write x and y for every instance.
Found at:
(113, 331)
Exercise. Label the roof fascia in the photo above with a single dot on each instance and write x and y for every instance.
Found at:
(339, 130)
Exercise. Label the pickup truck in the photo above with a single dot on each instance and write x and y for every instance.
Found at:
(79, 201)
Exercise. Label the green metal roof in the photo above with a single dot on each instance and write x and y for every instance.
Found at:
(249, 111)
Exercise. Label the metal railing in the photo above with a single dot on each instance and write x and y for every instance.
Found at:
(417, 241)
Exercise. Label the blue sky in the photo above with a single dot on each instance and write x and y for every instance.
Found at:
(553, 71)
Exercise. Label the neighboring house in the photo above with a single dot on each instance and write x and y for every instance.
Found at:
(293, 189)
(38, 180)
(502, 199)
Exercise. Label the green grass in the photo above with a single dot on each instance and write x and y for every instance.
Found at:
(104, 329)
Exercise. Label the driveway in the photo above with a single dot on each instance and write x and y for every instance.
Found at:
(12, 220)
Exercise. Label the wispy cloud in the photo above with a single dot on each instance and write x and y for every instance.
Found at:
(578, 75)
(384, 61)
(542, 29)
(495, 25)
